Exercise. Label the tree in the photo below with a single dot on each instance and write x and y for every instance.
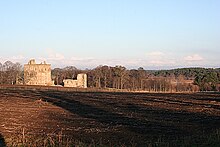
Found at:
(10, 72)
(120, 75)
(1, 73)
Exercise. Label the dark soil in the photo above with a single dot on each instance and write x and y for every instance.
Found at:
(131, 119)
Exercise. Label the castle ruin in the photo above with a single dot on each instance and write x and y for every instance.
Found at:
(40, 74)
(37, 74)
(81, 81)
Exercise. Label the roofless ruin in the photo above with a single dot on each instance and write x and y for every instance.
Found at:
(40, 74)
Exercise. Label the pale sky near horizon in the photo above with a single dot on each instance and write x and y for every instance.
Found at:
(154, 34)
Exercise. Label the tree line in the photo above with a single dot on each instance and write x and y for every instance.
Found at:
(119, 77)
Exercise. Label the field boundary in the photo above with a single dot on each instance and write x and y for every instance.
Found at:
(73, 89)
(59, 88)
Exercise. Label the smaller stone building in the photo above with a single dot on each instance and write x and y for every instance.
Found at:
(80, 82)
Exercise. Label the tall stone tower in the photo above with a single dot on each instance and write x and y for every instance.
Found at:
(37, 74)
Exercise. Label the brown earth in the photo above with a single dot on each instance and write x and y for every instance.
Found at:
(131, 119)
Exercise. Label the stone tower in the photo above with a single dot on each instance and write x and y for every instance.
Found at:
(82, 80)
(37, 74)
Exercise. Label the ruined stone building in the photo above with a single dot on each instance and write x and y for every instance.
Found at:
(80, 82)
(40, 74)
(37, 74)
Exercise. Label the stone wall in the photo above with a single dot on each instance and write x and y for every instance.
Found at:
(81, 81)
(37, 74)
(70, 83)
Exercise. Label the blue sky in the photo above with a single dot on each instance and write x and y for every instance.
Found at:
(154, 34)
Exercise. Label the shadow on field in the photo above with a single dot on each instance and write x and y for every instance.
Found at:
(150, 121)
(2, 141)
(124, 117)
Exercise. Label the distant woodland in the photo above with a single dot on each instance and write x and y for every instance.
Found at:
(118, 77)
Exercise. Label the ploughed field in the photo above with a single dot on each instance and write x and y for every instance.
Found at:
(50, 118)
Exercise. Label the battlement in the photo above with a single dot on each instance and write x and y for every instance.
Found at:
(32, 61)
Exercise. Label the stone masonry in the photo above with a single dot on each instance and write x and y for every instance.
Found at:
(81, 81)
(37, 74)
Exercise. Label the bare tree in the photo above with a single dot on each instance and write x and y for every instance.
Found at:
(10, 72)
(1, 73)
